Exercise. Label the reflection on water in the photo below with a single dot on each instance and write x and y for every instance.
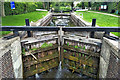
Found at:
(61, 20)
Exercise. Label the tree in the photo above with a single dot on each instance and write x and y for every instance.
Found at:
(3, 10)
(83, 6)
(89, 4)
(79, 5)
(86, 4)
(112, 6)
(44, 5)
(119, 7)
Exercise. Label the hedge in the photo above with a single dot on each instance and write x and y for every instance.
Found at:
(119, 7)
(39, 5)
(57, 8)
(65, 8)
(111, 6)
(21, 7)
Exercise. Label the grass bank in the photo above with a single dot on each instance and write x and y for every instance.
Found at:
(101, 19)
(105, 12)
(19, 20)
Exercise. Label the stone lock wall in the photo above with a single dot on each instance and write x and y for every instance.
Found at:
(110, 59)
(10, 58)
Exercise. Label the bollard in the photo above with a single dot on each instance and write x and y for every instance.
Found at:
(93, 25)
(16, 33)
(28, 24)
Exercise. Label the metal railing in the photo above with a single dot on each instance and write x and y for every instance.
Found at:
(15, 29)
(53, 28)
(91, 29)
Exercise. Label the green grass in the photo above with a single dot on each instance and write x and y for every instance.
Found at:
(19, 20)
(106, 12)
(101, 19)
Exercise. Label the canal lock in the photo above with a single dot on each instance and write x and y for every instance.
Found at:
(78, 56)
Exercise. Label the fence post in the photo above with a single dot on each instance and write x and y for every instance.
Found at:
(93, 25)
(28, 24)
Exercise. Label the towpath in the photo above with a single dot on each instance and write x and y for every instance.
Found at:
(105, 13)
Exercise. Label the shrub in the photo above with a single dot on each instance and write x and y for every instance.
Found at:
(8, 10)
(65, 8)
(30, 7)
(119, 7)
(112, 6)
(39, 5)
(19, 8)
(79, 5)
(56, 8)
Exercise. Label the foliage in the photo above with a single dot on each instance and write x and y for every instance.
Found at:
(74, 67)
(86, 4)
(83, 55)
(112, 6)
(76, 46)
(39, 5)
(21, 7)
(33, 49)
(2, 33)
(23, 51)
(65, 8)
(79, 54)
(58, 6)
(43, 46)
(79, 5)
(73, 54)
(46, 45)
(65, 50)
(50, 44)
(67, 44)
(82, 4)
(119, 7)
(101, 19)
(97, 5)
(80, 47)
(30, 7)
(84, 48)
